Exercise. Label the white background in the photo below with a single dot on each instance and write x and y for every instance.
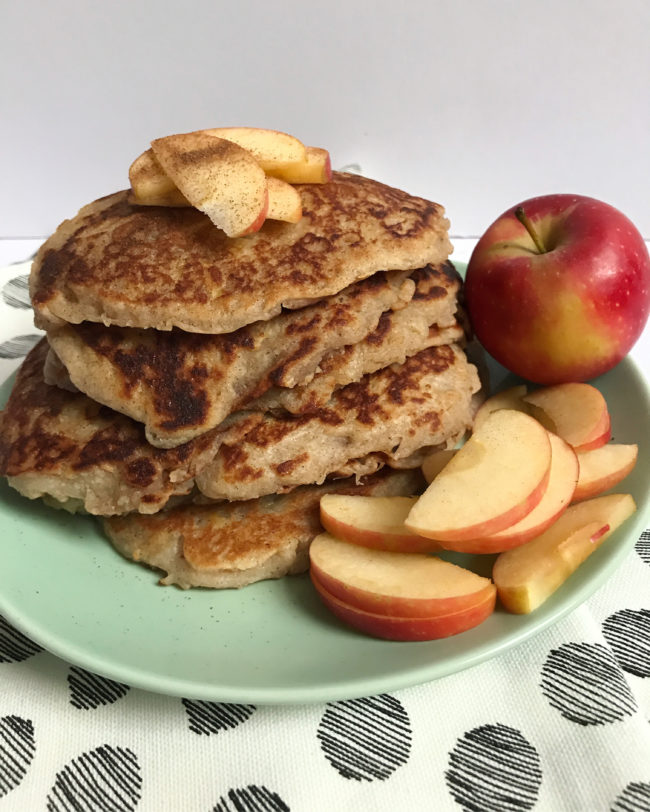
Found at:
(477, 104)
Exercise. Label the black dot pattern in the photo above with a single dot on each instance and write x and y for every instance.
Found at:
(628, 633)
(494, 768)
(213, 717)
(643, 546)
(19, 346)
(88, 691)
(14, 646)
(17, 748)
(634, 798)
(585, 684)
(16, 293)
(366, 739)
(251, 799)
(107, 778)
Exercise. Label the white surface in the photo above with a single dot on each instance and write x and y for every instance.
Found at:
(476, 105)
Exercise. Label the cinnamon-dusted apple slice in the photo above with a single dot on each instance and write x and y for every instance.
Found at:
(151, 185)
(603, 468)
(284, 201)
(493, 481)
(268, 147)
(218, 177)
(280, 155)
(562, 480)
(507, 399)
(373, 521)
(393, 583)
(526, 576)
(405, 629)
(576, 411)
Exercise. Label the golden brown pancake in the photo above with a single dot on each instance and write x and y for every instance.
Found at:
(149, 266)
(427, 401)
(398, 335)
(232, 544)
(182, 384)
(81, 454)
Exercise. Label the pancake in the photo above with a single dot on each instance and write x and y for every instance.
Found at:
(234, 544)
(427, 401)
(149, 266)
(66, 446)
(182, 384)
(398, 335)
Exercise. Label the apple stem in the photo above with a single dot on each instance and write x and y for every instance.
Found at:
(523, 218)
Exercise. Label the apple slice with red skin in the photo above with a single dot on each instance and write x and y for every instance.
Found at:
(493, 481)
(603, 468)
(526, 576)
(268, 147)
(393, 583)
(373, 521)
(152, 187)
(556, 499)
(507, 399)
(280, 155)
(218, 177)
(577, 412)
(406, 629)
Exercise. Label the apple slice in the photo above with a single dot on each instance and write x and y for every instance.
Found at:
(268, 147)
(603, 468)
(508, 399)
(373, 521)
(577, 412)
(218, 177)
(389, 627)
(493, 481)
(316, 168)
(526, 576)
(284, 201)
(395, 584)
(435, 462)
(557, 497)
(149, 181)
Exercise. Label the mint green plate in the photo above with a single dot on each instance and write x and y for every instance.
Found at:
(63, 585)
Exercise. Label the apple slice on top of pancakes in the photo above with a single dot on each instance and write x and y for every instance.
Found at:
(162, 175)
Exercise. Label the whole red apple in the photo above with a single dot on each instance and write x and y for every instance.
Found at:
(558, 288)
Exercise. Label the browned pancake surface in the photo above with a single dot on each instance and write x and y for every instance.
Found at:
(237, 543)
(427, 401)
(159, 267)
(182, 384)
(82, 454)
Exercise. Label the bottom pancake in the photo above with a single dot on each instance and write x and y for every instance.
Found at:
(233, 544)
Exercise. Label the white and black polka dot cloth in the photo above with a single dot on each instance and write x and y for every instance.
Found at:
(560, 723)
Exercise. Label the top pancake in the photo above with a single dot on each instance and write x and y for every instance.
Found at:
(150, 266)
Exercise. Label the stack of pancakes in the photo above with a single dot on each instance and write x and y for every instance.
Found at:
(249, 375)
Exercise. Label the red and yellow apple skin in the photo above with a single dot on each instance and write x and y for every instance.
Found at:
(394, 584)
(603, 468)
(568, 314)
(407, 628)
(376, 522)
(556, 499)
